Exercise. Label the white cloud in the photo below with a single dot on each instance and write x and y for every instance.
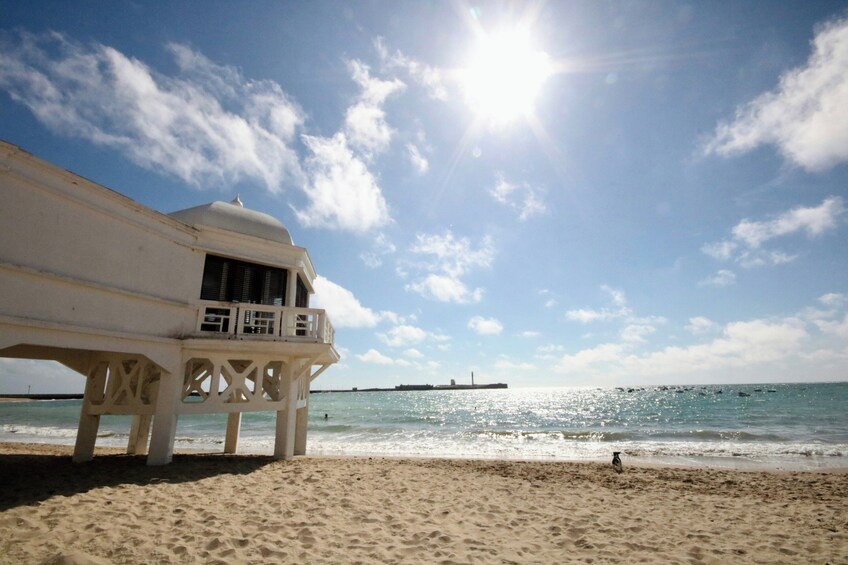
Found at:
(413, 353)
(446, 259)
(835, 299)
(836, 327)
(635, 333)
(549, 352)
(551, 301)
(510, 365)
(405, 334)
(805, 116)
(811, 345)
(722, 278)
(721, 250)
(587, 315)
(418, 161)
(375, 357)
(619, 309)
(380, 247)
(342, 192)
(813, 221)
(634, 329)
(592, 359)
(748, 236)
(206, 125)
(485, 326)
(701, 325)
(19, 376)
(365, 120)
(344, 309)
(616, 295)
(530, 333)
(524, 198)
(455, 256)
(444, 288)
(759, 258)
(428, 77)
(742, 345)
(832, 322)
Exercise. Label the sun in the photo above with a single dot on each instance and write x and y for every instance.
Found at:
(504, 75)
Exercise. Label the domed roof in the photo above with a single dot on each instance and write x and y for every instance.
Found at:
(233, 216)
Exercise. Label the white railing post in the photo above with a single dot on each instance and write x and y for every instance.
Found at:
(286, 329)
(275, 322)
(239, 320)
(278, 323)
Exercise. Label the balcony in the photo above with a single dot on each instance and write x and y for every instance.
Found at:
(258, 321)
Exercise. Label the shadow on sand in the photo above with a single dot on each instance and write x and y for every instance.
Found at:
(30, 478)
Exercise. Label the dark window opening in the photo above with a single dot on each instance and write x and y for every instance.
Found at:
(301, 299)
(229, 280)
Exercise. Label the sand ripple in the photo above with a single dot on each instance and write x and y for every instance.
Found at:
(219, 509)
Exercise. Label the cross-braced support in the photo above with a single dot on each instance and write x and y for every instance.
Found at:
(205, 383)
(116, 384)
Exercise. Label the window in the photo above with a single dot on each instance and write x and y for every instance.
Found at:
(229, 280)
(301, 299)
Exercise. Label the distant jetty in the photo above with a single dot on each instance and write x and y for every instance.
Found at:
(41, 396)
(402, 388)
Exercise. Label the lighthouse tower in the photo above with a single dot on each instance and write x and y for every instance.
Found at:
(204, 310)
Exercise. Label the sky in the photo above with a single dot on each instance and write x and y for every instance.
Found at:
(570, 193)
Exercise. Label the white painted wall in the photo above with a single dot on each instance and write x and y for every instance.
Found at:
(74, 252)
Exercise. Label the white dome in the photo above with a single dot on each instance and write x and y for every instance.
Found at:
(232, 216)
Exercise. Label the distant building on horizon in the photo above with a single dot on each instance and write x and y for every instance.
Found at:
(205, 310)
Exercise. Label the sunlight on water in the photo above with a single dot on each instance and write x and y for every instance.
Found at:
(793, 425)
(788, 426)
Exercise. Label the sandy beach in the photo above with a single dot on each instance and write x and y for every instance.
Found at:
(252, 509)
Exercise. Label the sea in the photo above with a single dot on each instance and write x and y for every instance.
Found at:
(764, 426)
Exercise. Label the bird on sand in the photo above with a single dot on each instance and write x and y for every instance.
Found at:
(616, 462)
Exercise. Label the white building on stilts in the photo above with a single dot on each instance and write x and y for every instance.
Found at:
(205, 310)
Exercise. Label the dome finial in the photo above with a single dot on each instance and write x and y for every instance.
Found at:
(237, 201)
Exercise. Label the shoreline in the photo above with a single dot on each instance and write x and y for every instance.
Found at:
(811, 463)
(66, 450)
(214, 507)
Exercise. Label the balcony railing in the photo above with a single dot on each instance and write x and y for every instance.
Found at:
(261, 321)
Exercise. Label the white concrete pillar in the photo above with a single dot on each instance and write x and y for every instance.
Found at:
(139, 434)
(287, 417)
(86, 435)
(165, 415)
(300, 433)
(233, 429)
(95, 387)
(291, 291)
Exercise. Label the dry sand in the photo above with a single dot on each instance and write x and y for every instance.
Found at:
(250, 509)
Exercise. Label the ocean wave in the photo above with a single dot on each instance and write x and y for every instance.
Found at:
(635, 435)
(723, 435)
(506, 445)
(333, 429)
(43, 431)
(586, 435)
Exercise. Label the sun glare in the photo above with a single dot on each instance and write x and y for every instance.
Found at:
(504, 76)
